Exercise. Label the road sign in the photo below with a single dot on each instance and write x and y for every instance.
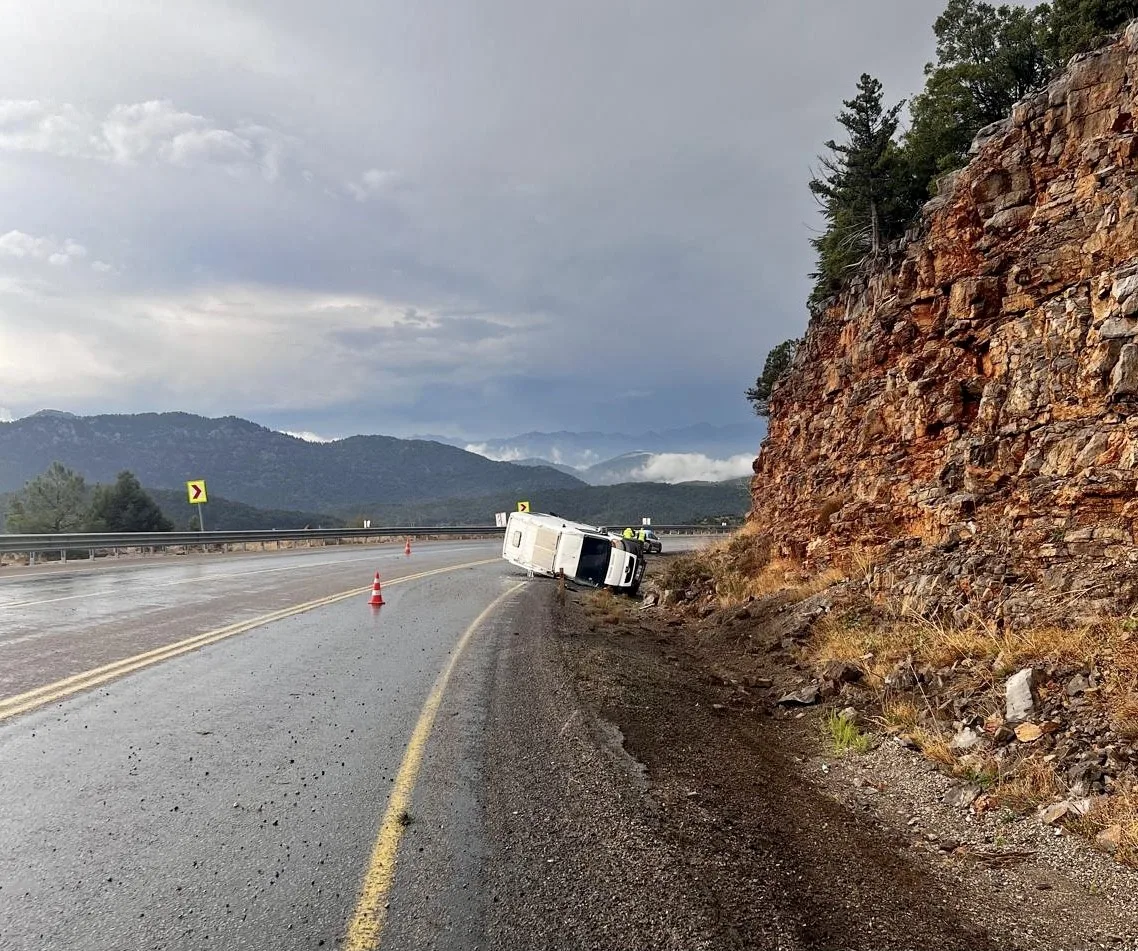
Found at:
(195, 491)
(500, 519)
(645, 521)
(523, 506)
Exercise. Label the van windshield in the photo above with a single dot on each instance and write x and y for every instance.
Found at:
(594, 562)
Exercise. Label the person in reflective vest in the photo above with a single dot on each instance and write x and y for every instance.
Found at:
(629, 534)
(642, 536)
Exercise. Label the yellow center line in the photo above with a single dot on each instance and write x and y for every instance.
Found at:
(366, 926)
(60, 689)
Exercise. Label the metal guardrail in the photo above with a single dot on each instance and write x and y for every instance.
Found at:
(113, 541)
(81, 541)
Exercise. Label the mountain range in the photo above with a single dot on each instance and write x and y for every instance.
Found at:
(245, 462)
(261, 478)
(583, 449)
(669, 467)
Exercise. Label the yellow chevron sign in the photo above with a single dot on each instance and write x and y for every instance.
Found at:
(195, 492)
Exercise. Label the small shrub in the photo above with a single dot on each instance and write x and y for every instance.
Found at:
(845, 736)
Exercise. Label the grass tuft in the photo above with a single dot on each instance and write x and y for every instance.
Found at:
(845, 736)
(1030, 783)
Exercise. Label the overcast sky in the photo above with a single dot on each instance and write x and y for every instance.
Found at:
(468, 217)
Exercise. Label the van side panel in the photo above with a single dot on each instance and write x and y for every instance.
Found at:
(544, 549)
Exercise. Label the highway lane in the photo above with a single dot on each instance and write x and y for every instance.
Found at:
(238, 796)
(56, 622)
(231, 797)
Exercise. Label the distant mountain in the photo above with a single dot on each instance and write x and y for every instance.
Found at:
(670, 467)
(568, 470)
(248, 463)
(623, 468)
(225, 515)
(611, 505)
(583, 449)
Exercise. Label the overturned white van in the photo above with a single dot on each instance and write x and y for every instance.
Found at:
(549, 544)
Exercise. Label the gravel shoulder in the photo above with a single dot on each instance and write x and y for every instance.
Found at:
(639, 796)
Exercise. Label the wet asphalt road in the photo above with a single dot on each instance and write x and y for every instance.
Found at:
(230, 797)
(57, 621)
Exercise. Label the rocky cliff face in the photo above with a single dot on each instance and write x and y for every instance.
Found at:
(966, 415)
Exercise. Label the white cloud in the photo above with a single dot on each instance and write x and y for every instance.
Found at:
(151, 131)
(507, 454)
(6, 416)
(28, 125)
(20, 245)
(693, 467)
(308, 436)
(373, 182)
(247, 345)
(141, 130)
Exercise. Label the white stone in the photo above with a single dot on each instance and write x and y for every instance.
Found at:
(1020, 702)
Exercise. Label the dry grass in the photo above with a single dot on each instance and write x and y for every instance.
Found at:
(1029, 783)
(1124, 717)
(741, 568)
(1119, 809)
(934, 745)
(606, 608)
(899, 714)
(879, 645)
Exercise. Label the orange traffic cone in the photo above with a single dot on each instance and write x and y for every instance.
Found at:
(376, 595)
(407, 548)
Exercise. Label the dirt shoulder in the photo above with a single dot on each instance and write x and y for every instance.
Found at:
(726, 822)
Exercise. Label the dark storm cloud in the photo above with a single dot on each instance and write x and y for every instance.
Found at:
(596, 211)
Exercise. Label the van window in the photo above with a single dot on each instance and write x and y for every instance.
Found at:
(593, 564)
(516, 539)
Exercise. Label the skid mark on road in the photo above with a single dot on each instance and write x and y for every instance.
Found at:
(61, 689)
(366, 926)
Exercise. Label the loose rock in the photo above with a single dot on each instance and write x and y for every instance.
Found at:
(1020, 702)
(806, 697)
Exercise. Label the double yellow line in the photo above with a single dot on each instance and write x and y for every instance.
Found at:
(61, 689)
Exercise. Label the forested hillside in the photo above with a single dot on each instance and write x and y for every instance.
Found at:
(248, 463)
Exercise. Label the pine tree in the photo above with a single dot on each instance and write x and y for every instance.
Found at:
(126, 507)
(861, 191)
(53, 502)
(777, 362)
